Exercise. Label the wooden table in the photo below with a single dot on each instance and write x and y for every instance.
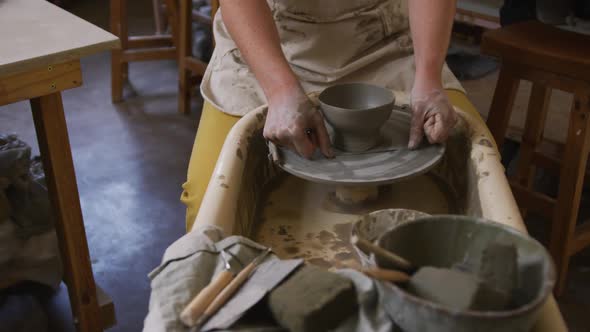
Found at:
(40, 57)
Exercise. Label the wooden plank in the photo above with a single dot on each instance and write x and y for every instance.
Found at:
(150, 41)
(42, 34)
(107, 308)
(40, 82)
(162, 53)
(173, 21)
(502, 103)
(54, 144)
(571, 181)
(532, 200)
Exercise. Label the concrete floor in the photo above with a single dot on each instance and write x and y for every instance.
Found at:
(131, 160)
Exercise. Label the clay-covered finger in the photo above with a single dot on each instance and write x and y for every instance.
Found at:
(436, 129)
(416, 130)
(321, 133)
(303, 144)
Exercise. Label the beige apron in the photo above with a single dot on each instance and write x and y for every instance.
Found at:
(325, 42)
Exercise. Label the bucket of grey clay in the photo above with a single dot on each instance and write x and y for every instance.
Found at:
(356, 112)
(442, 241)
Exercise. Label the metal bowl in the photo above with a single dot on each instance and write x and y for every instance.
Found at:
(356, 111)
(443, 241)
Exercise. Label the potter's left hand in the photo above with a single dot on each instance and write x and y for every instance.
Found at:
(432, 116)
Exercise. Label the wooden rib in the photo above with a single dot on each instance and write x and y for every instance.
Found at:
(44, 81)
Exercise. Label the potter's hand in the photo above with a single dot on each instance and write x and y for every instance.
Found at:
(432, 115)
(294, 122)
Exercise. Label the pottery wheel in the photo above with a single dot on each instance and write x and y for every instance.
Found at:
(381, 165)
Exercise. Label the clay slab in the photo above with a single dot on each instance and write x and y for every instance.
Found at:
(365, 168)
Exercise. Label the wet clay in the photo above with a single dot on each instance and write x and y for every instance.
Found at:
(302, 215)
(313, 299)
(356, 112)
(366, 169)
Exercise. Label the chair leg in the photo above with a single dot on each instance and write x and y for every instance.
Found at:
(184, 51)
(502, 102)
(571, 183)
(157, 8)
(533, 133)
(119, 68)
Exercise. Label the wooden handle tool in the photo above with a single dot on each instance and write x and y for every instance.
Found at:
(231, 289)
(386, 275)
(196, 308)
(367, 246)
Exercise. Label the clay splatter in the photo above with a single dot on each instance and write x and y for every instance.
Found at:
(486, 173)
(338, 245)
(320, 262)
(239, 154)
(223, 185)
(221, 177)
(485, 142)
(316, 246)
(291, 250)
(343, 231)
(325, 237)
(343, 256)
(282, 230)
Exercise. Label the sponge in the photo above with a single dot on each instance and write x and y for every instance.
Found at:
(313, 299)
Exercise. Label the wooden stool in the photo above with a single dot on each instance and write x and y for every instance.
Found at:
(179, 16)
(137, 48)
(190, 69)
(551, 59)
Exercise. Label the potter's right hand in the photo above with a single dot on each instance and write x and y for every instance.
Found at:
(294, 122)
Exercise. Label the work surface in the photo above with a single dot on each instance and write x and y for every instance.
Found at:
(35, 33)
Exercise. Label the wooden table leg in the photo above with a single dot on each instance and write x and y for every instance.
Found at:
(52, 134)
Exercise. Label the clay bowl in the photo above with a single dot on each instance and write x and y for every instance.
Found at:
(445, 240)
(356, 112)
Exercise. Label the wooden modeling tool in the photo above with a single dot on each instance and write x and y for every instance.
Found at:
(231, 288)
(386, 274)
(462, 290)
(394, 259)
(203, 299)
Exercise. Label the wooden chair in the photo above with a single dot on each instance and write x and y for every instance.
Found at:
(551, 59)
(190, 69)
(137, 48)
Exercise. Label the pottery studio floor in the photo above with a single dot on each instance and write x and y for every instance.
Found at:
(131, 160)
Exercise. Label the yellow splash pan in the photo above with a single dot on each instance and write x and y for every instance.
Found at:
(248, 195)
